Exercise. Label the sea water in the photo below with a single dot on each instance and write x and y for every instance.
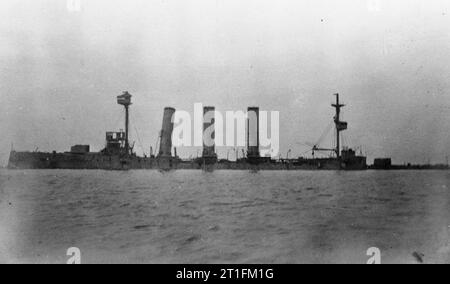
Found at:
(224, 216)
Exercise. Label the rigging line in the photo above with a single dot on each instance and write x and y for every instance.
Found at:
(139, 140)
(118, 120)
(325, 133)
(343, 144)
(334, 146)
(307, 145)
(138, 114)
(137, 135)
(305, 152)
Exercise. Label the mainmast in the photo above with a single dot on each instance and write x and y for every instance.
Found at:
(125, 100)
(340, 125)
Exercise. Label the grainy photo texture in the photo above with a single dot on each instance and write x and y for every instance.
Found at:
(229, 132)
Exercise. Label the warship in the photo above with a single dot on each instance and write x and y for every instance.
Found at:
(119, 154)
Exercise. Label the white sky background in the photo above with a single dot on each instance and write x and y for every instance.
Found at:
(60, 72)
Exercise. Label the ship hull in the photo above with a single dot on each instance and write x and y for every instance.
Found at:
(100, 161)
(91, 161)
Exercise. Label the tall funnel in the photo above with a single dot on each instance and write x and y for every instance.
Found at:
(209, 135)
(165, 149)
(253, 132)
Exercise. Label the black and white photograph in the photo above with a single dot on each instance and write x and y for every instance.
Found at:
(242, 135)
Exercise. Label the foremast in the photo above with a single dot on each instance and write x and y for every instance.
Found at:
(125, 100)
(340, 125)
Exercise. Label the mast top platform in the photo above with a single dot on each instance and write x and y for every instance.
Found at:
(124, 99)
(337, 104)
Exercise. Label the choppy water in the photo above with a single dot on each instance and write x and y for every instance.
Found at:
(224, 217)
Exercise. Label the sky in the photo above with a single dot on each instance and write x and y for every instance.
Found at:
(60, 70)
